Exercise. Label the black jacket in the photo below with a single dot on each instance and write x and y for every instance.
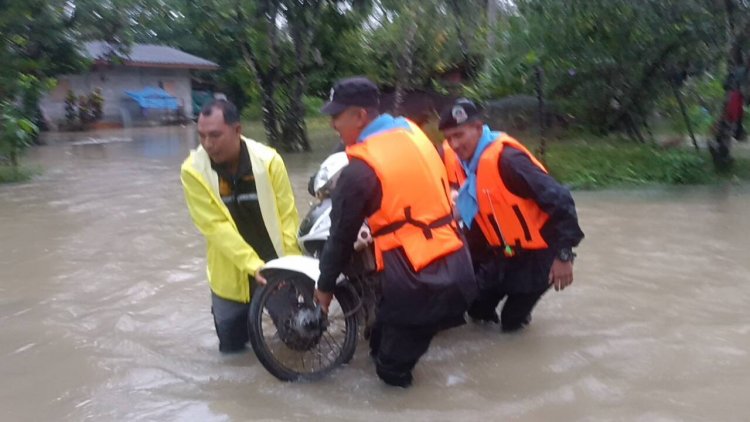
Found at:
(528, 270)
(437, 295)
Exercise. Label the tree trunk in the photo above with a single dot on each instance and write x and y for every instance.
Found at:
(266, 79)
(406, 62)
(294, 127)
(685, 116)
(14, 155)
(632, 128)
(294, 131)
(270, 119)
(539, 73)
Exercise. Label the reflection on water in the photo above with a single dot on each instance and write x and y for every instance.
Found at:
(104, 309)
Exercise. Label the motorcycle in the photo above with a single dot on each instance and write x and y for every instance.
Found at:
(291, 336)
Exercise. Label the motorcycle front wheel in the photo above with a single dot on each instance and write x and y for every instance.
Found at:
(291, 336)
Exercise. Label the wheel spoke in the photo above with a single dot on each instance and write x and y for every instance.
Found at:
(282, 342)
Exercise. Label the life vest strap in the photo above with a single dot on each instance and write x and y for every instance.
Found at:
(427, 228)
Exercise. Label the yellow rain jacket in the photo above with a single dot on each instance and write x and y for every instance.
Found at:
(230, 260)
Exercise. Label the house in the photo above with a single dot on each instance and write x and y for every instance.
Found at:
(115, 74)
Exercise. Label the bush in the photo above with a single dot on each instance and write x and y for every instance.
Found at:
(10, 174)
(16, 132)
(71, 108)
(607, 163)
(85, 114)
(96, 104)
(81, 111)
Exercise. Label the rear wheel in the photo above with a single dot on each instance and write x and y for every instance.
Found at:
(291, 337)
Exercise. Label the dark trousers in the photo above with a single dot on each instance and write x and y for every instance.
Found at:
(230, 321)
(520, 281)
(414, 306)
(231, 318)
(516, 312)
(396, 350)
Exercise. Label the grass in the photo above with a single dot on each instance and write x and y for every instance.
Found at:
(10, 174)
(602, 163)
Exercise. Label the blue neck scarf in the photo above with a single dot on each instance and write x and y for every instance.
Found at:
(382, 123)
(467, 197)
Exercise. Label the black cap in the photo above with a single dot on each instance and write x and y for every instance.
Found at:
(462, 111)
(357, 91)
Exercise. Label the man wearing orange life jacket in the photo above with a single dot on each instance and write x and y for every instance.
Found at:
(520, 224)
(396, 180)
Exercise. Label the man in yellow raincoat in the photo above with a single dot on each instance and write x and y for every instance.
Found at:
(239, 197)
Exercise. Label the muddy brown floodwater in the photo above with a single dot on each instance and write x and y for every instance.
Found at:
(104, 310)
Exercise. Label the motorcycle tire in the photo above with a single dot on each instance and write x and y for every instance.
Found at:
(285, 300)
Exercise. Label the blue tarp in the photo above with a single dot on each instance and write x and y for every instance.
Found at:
(154, 98)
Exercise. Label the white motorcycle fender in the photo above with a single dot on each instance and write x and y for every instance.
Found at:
(296, 263)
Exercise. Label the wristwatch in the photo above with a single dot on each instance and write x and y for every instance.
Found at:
(566, 255)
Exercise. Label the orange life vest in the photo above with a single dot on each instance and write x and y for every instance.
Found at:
(456, 173)
(415, 212)
(504, 218)
(507, 219)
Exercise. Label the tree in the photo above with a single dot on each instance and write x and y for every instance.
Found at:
(16, 132)
(37, 40)
(414, 42)
(276, 52)
(606, 61)
(274, 43)
(38, 44)
(120, 23)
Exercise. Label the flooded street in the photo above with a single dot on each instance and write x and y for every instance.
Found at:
(105, 310)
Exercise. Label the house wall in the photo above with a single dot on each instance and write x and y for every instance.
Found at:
(114, 82)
